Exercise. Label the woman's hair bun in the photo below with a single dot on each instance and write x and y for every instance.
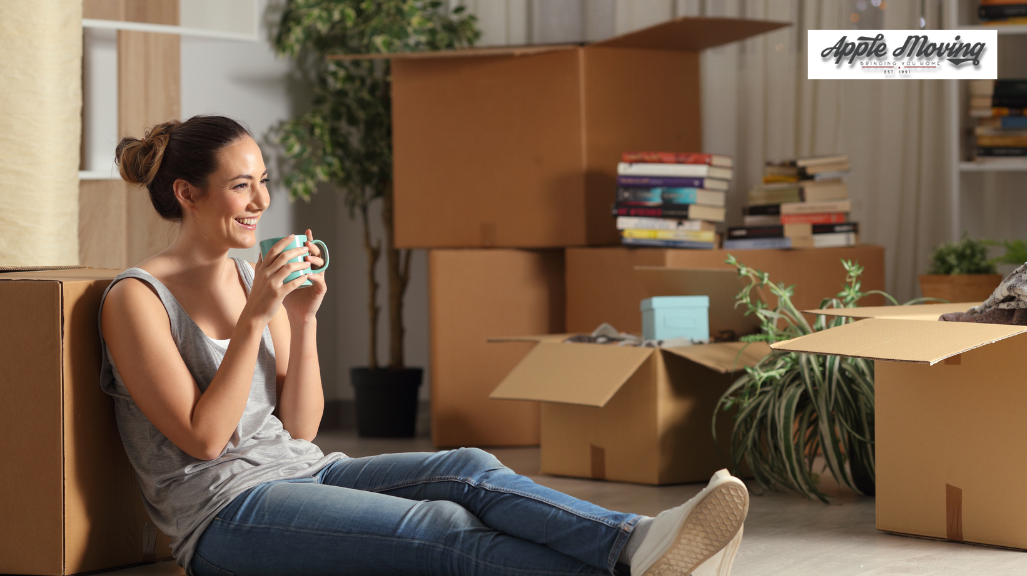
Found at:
(139, 160)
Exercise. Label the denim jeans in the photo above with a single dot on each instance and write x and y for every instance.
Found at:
(453, 512)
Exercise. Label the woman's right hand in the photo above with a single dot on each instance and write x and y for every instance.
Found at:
(268, 289)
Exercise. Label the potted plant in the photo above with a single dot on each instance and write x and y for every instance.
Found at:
(961, 272)
(345, 140)
(791, 406)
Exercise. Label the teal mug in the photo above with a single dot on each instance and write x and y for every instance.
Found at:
(298, 242)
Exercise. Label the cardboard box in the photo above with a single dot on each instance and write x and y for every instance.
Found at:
(631, 414)
(601, 285)
(950, 427)
(70, 502)
(518, 146)
(475, 295)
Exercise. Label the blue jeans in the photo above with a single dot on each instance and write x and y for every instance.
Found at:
(454, 512)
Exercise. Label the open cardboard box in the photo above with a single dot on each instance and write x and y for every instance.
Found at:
(635, 414)
(69, 500)
(951, 435)
(517, 146)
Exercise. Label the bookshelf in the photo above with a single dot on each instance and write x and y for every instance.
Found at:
(966, 177)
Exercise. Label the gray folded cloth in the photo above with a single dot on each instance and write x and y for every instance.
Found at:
(1006, 305)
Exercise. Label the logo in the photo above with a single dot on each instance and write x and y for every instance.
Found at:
(923, 54)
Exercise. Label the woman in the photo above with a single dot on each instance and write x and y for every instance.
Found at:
(213, 366)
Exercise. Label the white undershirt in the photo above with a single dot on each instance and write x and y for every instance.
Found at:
(222, 343)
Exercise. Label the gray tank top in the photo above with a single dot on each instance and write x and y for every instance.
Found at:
(183, 494)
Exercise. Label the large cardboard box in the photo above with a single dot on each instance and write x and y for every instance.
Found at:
(518, 146)
(633, 414)
(950, 427)
(69, 501)
(601, 285)
(475, 295)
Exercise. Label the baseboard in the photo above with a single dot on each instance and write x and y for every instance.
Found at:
(342, 415)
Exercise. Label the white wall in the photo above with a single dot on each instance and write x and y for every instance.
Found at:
(248, 82)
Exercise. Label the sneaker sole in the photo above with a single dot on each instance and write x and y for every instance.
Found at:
(708, 529)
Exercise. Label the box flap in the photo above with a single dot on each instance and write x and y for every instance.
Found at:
(723, 357)
(915, 312)
(460, 52)
(901, 340)
(584, 374)
(539, 338)
(689, 33)
(719, 284)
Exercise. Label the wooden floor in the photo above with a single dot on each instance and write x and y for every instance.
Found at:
(785, 535)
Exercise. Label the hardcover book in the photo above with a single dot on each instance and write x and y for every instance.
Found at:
(683, 211)
(721, 160)
(670, 181)
(678, 170)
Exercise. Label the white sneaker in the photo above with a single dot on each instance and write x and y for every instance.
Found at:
(703, 533)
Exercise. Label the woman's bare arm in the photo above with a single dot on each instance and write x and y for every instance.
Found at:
(138, 334)
(300, 395)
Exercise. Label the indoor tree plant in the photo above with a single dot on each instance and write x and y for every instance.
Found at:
(345, 141)
(791, 407)
(961, 272)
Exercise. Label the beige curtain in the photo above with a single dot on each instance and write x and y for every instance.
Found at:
(758, 105)
(40, 127)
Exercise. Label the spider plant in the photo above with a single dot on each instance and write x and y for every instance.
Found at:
(793, 406)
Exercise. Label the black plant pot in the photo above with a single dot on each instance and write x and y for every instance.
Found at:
(386, 401)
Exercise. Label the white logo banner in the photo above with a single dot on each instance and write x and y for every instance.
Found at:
(920, 54)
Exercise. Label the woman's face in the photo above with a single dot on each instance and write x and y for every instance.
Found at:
(236, 195)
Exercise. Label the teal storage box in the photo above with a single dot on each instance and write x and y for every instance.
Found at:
(666, 317)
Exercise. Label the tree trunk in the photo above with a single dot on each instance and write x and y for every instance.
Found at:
(398, 262)
(373, 251)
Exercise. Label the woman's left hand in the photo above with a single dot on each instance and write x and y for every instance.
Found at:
(302, 304)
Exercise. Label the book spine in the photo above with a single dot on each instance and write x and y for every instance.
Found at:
(1014, 123)
(999, 111)
(667, 157)
(1013, 152)
(1001, 11)
(835, 228)
(651, 211)
(816, 207)
(756, 232)
(758, 244)
(669, 243)
(822, 218)
(628, 222)
(656, 182)
(1010, 88)
(651, 169)
(669, 196)
(691, 236)
(1002, 141)
(774, 196)
(762, 210)
(1014, 101)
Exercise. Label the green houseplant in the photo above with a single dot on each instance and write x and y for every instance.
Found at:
(961, 272)
(345, 141)
(793, 406)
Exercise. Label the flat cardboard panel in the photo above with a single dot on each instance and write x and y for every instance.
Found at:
(723, 357)
(688, 396)
(602, 286)
(474, 295)
(690, 33)
(900, 340)
(626, 108)
(929, 312)
(488, 151)
(102, 225)
(485, 51)
(623, 433)
(958, 425)
(720, 285)
(31, 498)
(585, 374)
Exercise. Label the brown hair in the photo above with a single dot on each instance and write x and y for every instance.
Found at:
(176, 150)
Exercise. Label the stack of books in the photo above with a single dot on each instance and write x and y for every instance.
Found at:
(671, 199)
(1002, 12)
(802, 203)
(998, 106)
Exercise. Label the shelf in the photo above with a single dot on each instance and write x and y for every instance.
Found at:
(1002, 29)
(1003, 166)
(97, 175)
(166, 29)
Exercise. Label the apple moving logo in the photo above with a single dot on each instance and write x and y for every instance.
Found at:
(915, 46)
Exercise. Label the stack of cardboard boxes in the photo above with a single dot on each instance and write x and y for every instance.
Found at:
(506, 156)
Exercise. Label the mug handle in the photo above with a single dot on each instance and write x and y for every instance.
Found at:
(324, 255)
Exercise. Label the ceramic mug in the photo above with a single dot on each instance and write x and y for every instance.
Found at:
(298, 242)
